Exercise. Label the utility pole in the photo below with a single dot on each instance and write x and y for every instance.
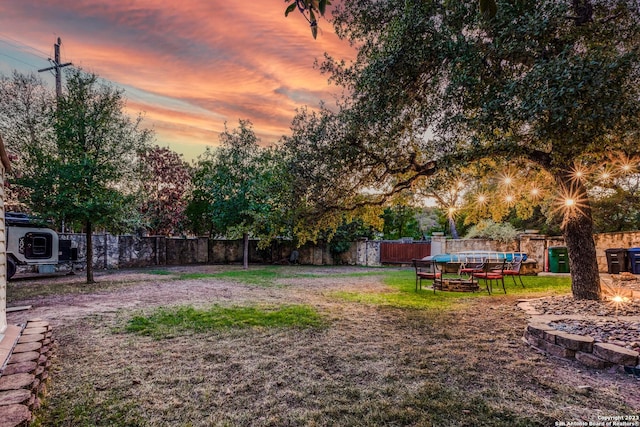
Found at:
(56, 68)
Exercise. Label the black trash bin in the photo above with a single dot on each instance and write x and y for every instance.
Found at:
(634, 260)
(559, 259)
(616, 260)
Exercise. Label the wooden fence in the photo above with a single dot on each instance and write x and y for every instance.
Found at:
(403, 253)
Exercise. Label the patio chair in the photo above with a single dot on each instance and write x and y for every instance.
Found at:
(439, 269)
(493, 271)
(471, 266)
(425, 270)
(513, 269)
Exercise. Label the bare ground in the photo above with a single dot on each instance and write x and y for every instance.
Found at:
(373, 365)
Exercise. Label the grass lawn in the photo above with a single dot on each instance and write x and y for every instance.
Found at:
(303, 346)
(402, 282)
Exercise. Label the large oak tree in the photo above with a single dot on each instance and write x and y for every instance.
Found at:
(437, 85)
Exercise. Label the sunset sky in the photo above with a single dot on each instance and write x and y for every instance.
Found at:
(188, 65)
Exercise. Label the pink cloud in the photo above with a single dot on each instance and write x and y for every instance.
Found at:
(218, 60)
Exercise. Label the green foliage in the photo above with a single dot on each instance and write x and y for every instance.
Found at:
(198, 221)
(545, 224)
(449, 225)
(616, 213)
(322, 194)
(428, 220)
(616, 205)
(401, 221)
(347, 233)
(88, 172)
(487, 229)
(168, 322)
(238, 188)
(308, 9)
(488, 8)
(26, 105)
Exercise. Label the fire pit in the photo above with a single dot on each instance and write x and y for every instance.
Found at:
(456, 284)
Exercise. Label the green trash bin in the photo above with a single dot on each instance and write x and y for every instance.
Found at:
(558, 259)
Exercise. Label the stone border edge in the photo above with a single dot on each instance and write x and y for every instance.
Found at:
(23, 379)
(583, 348)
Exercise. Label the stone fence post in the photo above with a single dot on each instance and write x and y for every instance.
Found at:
(368, 253)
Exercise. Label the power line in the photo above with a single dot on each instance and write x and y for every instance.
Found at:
(21, 45)
(18, 60)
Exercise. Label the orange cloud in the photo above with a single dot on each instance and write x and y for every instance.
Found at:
(190, 65)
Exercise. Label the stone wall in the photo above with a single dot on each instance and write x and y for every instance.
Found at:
(463, 245)
(225, 251)
(186, 251)
(134, 251)
(368, 252)
(629, 239)
(580, 347)
(141, 251)
(349, 257)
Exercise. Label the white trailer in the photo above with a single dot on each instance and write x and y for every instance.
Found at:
(30, 244)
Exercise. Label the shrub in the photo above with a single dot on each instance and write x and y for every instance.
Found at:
(487, 229)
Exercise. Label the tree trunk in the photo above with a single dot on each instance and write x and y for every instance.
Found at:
(453, 229)
(89, 228)
(245, 255)
(578, 235)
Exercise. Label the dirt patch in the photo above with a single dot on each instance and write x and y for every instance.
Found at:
(373, 365)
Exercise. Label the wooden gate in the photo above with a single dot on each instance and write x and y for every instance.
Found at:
(403, 253)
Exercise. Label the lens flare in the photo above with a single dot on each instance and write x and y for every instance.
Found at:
(570, 204)
(614, 294)
(506, 179)
(608, 172)
(579, 172)
(623, 164)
